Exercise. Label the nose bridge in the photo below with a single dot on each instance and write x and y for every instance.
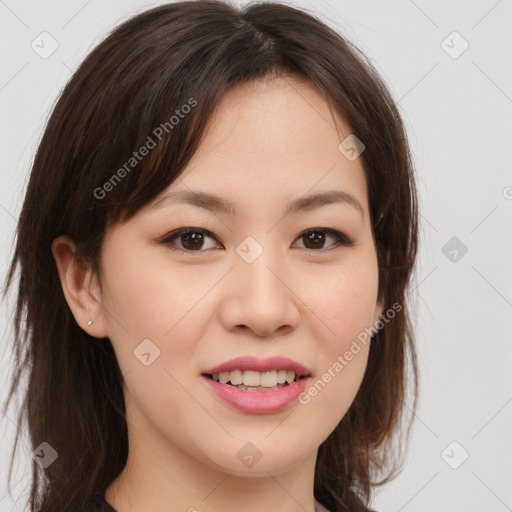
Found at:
(258, 266)
(264, 301)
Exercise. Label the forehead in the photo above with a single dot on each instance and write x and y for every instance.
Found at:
(270, 141)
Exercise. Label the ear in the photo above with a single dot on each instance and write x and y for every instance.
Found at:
(80, 286)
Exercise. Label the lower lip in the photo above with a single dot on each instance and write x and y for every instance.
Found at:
(258, 402)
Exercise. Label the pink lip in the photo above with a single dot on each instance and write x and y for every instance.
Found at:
(260, 365)
(258, 402)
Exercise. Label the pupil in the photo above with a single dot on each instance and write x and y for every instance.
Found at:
(317, 238)
(197, 239)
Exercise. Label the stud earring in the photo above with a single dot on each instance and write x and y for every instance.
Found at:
(89, 322)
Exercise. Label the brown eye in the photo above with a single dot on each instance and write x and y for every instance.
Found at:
(314, 239)
(191, 239)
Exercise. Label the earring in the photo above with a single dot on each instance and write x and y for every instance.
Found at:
(89, 322)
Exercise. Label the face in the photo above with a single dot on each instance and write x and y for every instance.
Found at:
(259, 283)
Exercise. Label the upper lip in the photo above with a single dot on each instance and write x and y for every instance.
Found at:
(260, 365)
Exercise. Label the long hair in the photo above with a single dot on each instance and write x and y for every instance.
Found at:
(192, 53)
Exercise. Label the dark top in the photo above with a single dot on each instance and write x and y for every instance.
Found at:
(95, 503)
(98, 504)
(102, 506)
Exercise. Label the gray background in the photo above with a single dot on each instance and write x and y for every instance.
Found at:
(457, 109)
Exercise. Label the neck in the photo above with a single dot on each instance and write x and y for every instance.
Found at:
(159, 479)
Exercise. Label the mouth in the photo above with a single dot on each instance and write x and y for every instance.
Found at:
(253, 380)
(257, 399)
(258, 386)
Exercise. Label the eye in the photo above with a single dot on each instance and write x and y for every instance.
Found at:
(315, 238)
(193, 239)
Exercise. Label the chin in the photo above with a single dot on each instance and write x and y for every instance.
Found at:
(251, 462)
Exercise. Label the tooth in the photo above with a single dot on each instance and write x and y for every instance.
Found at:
(269, 379)
(236, 377)
(254, 379)
(251, 378)
(281, 376)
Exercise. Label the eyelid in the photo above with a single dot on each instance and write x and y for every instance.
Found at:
(343, 240)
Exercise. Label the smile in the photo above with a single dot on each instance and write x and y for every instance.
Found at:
(257, 400)
(252, 380)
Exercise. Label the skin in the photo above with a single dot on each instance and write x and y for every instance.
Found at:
(270, 142)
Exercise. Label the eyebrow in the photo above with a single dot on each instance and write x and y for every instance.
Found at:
(218, 204)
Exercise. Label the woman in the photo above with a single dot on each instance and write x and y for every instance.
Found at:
(214, 249)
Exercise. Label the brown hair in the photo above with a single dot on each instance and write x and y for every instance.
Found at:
(131, 83)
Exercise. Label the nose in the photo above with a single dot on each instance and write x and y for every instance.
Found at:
(260, 298)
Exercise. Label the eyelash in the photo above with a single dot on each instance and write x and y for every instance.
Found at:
(343, 240)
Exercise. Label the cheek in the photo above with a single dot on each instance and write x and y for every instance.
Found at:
(345, 307)
(330, 395)
(153, 311)
(148, 297)
(343, 299)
